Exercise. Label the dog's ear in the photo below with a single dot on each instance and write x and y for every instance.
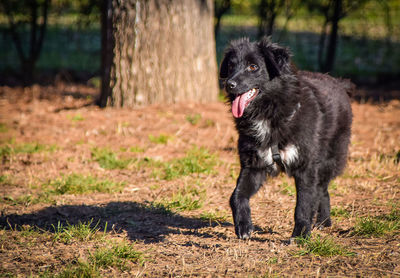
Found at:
(276, 58)
(223, 69)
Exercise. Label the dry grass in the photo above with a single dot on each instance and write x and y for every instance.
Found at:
(159, 222)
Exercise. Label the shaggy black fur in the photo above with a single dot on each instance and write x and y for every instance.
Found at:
(306, 115)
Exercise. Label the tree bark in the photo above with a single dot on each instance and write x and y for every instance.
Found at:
(157, 51)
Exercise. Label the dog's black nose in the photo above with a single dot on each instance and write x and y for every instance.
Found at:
(231, 84)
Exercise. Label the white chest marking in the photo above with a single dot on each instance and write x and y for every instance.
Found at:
(260, 129)
(266, 156)
(289, 154)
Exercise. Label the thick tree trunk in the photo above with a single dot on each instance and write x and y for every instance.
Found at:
(158, 51)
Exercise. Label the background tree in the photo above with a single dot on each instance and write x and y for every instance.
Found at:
(268, 11)
(157, 51)
(221, 7)
(31, 14)
(289, 11)
(86, 12)
(333, 11)
(385, 4)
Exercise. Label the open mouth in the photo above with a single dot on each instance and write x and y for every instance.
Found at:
(242, 101)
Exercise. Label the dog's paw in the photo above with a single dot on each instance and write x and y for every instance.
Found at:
(244, 230)
(301, 229)
(320, 224)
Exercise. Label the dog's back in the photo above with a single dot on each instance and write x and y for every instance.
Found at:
(333, 99)
(325, 82)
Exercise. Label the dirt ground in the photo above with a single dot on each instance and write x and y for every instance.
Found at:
(184, 243)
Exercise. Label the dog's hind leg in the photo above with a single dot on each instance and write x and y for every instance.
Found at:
(306, 203)
(328, 170)
(324, 208)
(248, 183)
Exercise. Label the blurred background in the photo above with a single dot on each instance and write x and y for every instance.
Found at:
(44, 41)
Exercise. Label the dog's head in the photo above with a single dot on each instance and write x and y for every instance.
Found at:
(247, 66)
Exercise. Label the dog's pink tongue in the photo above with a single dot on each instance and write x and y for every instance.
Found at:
(238, 105)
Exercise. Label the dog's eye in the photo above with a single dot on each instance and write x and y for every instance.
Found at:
(252, 67)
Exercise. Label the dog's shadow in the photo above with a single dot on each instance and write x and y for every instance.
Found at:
(140, 221)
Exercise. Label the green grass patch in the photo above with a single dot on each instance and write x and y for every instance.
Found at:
(319, 246)
(273, 260)
(160, 139)
(148, 162)
(136, 149)
(68, 184)
(190, 198)
(333, 186)
(340, 212)
(213, 216)
(28, 199)
(287, 189)
(370, 227)
(123, 149)
(393, 216)
(159, 207)
(7, 274)
(81, 142)
(76, 118)
(3, 128)
(79, 268)
(196, 161)
(83, 231)
(26, 231)
(4, 179)
(209, 123)
(187, 200)
(117, 255)
(378, 226)
(12, 148)
(79, 184)
(33, 148)
(108, 159)
(193, 119)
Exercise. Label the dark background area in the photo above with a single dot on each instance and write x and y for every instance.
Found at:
(367, 47)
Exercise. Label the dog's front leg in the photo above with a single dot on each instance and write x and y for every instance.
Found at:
(306, 204)
(248, 183)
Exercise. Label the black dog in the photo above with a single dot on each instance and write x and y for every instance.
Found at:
(288, 120)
